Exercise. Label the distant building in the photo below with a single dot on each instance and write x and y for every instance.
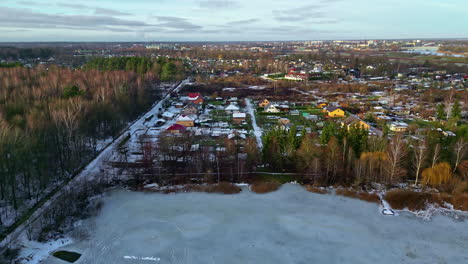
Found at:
(191, 109)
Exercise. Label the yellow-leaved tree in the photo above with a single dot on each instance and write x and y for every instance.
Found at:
(439, 174)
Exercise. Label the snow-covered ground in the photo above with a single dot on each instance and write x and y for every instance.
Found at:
(257, 130)
(290, 225)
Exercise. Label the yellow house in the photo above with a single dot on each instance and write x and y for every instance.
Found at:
(321, 104)
(185, 121)
(353, 120)
(263, 103)
(334, 111)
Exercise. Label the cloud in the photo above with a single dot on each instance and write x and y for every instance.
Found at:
(97, 10)
(218, 4)
(176, 23)
(242, 22)
(25, 18)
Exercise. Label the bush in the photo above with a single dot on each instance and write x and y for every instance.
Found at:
(401, 199)
(265, 187)
(313, 189)
(364, 196)
(460, 202)
(222, 187)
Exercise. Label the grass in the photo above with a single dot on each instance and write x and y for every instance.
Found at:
(67, 256)
(265, 187)
(364, 196)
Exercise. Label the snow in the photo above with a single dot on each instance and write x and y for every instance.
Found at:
(290, 225)
(34, 252)
(257, 130)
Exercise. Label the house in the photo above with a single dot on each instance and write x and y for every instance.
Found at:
(168, 115)
(190, 109)
(232, 108)
(322, 104)
(398, 127)
(179, 105)
(352, 121)
(176, 128)
(271, 109)
(238, 118)
(263, 103)
(185, 121)
(284, 108)
(296, 75)
(195, 98)
(333, 111)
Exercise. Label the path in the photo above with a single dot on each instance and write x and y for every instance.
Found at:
(257, 130)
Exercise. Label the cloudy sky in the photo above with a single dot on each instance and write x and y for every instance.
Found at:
(225, 20)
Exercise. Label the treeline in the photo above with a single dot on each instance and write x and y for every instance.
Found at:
(347, 156)
(12, 53)
(163, 68)
(52, 121)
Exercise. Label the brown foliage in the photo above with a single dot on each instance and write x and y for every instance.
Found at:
(265, 187)
(365, 196)
(313, 189)
(400, 199)
(460, 201)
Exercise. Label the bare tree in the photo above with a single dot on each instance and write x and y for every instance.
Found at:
(396, 151)
(435, 155)
(460, 152)
(420, 154)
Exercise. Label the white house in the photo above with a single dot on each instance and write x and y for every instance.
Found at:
(232, 108)
(271, 109)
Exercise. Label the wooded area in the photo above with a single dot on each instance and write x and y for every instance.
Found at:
(52, 121)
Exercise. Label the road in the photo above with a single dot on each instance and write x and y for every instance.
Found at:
(257, 130)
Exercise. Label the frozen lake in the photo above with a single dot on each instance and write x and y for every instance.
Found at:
(287, 226)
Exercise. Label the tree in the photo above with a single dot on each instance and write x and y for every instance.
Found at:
(440, 112)
(456, 110)
(460, 152)
(396, 151)
(307, 157)
(420, 153)
(439, 174)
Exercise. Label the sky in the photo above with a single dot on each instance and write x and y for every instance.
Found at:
(230, 20)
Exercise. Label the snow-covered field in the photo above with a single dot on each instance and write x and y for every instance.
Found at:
(287, 226)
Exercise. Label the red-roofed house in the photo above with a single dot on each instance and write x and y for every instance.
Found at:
(176, 128)
(195, 98)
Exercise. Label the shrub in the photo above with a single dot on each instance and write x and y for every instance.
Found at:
(365, 196)
(265, 187)
(401, 199)
(439, 174)
(222, 187)
(313, 189)
(460, 201)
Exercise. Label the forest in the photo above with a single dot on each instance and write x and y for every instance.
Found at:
(162, 68)
(54, 120)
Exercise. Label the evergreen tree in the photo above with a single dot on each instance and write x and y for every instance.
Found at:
(440, 112)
